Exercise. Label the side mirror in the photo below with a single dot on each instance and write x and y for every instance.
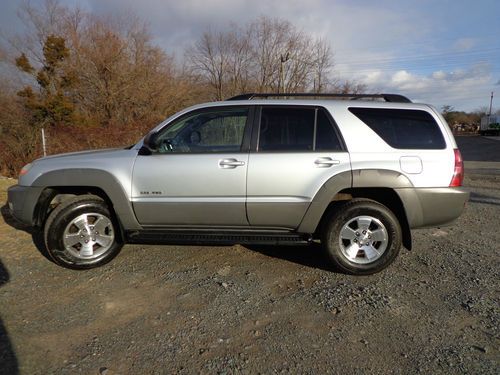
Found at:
(149, 144)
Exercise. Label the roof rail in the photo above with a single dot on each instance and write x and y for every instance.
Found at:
(393, 98)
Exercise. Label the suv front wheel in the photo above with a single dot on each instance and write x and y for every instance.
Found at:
(362, 237)
(82, 233)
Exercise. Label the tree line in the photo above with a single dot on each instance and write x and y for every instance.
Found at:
(465, 121)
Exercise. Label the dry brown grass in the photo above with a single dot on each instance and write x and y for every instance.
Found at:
(4, 184)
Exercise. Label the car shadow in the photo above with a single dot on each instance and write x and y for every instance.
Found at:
(36, 235)
(485, 199)
(309, 256)
(8, 359)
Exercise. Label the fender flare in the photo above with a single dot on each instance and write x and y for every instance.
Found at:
(322, 199)
(360, 178)
(94, 178)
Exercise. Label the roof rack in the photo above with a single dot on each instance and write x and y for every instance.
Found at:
(393, 98)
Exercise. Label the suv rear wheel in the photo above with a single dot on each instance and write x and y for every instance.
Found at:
(81, 233)
(362, 237)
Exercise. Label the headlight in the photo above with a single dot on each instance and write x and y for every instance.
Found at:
(25, 169)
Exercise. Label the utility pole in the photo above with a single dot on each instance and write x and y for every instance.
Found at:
(283, 59)
(489, 113)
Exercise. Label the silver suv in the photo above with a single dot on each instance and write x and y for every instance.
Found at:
(355, 174)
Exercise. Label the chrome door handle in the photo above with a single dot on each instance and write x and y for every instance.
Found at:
(230, 163)
(325, 162)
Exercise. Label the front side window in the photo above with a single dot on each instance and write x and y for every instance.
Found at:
(215, 130)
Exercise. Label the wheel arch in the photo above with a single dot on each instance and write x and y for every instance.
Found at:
(54, 195)
(84, 181)
(376, 184)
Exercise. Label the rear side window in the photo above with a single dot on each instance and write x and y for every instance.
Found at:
(403, 128)
(296, 129)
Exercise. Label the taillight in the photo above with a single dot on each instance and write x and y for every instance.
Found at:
(458, 173)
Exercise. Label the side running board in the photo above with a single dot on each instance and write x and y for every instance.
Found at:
(178, 237)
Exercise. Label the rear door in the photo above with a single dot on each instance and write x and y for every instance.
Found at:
(295, 150)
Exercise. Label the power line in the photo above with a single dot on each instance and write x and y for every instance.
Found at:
(422, 57)
(416, 44)
(405, 67)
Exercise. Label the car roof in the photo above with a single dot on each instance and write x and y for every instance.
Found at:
(315, 102)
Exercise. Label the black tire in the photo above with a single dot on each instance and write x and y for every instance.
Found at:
(60, 221)
(337, 247)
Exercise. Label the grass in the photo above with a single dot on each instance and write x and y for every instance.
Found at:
(4, 184)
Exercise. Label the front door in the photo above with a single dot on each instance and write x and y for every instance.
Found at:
(197, 176)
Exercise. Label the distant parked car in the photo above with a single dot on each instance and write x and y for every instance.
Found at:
(490, 125)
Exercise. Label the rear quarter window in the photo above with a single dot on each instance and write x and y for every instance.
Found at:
(403, 128)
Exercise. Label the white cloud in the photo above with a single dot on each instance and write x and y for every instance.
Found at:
(372, 78)
(463, 86)
(439, 75)
(401, 77)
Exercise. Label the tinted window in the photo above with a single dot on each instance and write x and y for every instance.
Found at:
(326, 138)
(289, 129)
(402, 128)
(217, 130)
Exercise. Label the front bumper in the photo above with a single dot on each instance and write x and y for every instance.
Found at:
(432, 207)
(22, 202)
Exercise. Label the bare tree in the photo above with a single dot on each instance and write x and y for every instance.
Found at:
(211, 57)
(269, 44)
(266, 55)
(322, 65)
(240, 62)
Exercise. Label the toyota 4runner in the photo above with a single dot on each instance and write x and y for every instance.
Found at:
(355, 174)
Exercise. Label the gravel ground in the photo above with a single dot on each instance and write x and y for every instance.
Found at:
(235, 309)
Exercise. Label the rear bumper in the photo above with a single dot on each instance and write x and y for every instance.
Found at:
(22, 201)
(432, 207)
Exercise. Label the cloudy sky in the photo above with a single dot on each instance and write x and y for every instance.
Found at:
(434, 51)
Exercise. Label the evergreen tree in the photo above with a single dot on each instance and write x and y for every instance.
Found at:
(52, 104)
